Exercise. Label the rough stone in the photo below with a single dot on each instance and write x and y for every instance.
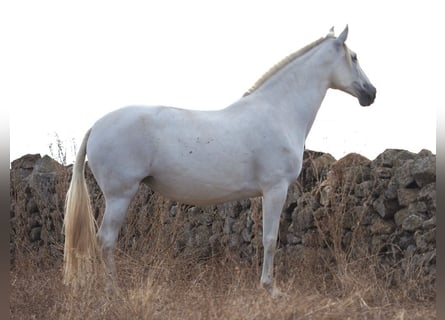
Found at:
(430, 223)
(310, 239)
(382, 227)
(428, 195)
(386, 208)
(406, 196)
(403, 176)
(303, 219)
(246, 235)
(35, 234)
(363, 189)
(418, 207)
(424, 170)
(315, 168)
(238, 226)
(400, 216)
(412, 222)
(348, 219)
(392, 157)
(383, 173)
(292, 239)
(26, 162)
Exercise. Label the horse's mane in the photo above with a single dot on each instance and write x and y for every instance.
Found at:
(280, 65)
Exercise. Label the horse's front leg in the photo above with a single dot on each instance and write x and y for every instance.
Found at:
(273, 202)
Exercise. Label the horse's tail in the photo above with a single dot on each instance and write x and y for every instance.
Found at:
(79, 223)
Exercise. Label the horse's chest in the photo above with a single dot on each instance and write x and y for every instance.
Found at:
(278, 163)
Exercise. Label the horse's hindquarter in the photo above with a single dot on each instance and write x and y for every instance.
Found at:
(191, 156)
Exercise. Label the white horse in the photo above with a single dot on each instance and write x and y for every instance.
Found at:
(252, 148)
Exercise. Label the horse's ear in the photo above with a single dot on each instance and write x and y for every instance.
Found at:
(343, 36)
(331, 33)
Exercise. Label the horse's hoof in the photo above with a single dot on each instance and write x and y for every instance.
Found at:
(276, 293)
(273, 291)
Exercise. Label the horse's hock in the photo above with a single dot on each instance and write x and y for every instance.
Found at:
(390, 202)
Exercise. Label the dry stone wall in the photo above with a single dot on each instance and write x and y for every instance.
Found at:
(385, 207)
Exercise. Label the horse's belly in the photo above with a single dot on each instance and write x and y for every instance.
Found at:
(200, 192)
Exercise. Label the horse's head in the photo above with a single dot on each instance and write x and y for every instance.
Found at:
(347, 74)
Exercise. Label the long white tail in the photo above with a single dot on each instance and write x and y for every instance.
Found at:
(79, 224)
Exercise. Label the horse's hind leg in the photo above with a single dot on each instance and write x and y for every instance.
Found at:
(116, 207)
(273, 202)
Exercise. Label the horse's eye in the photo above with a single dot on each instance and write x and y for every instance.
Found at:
(354, 57)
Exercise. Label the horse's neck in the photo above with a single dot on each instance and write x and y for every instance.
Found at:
(297, 92)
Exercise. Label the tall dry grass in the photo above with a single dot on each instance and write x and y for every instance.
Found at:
(156, 283)
(164, 288)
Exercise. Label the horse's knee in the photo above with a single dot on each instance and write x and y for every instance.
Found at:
(269, 244)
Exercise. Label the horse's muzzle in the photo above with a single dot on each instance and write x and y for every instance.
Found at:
(366, 94)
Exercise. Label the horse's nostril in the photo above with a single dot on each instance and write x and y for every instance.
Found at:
(370, 89)
(373, 92)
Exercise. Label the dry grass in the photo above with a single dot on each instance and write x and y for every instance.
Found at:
(158, 285)
(220, 288)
